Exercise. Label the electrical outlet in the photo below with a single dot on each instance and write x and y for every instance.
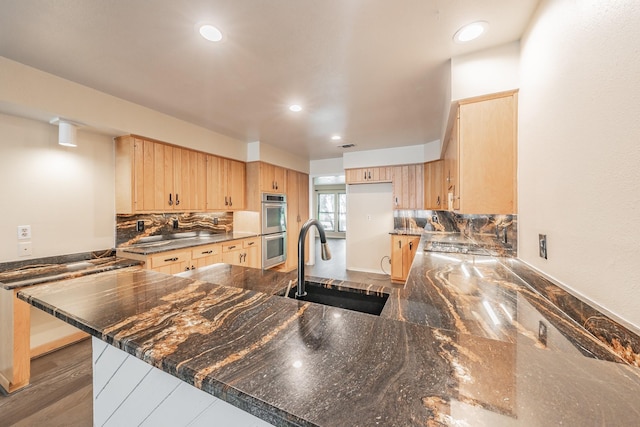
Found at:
(542, 244)
(24, 232)
(140, 226)
(24, 249)
(542, 333)
(215, 221)
(175, 224)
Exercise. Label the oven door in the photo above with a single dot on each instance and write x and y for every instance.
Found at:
(274, 218)
(274, 249)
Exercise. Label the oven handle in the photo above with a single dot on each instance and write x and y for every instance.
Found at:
(274, 204)
(275, 236)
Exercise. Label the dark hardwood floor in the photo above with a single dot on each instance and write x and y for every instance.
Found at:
(60, 393)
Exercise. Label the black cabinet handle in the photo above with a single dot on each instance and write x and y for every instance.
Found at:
(207, 252)
(250, 243)
(399, 244)
(171, 259)
(410, 245)
(369, 174)
(226, 202)
(230, 202)
(192, 267)
(187, 269)
(170, 201)
(365, 175)
(177, 200)
(232, 247)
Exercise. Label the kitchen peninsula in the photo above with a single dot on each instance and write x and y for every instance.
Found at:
(460, 344)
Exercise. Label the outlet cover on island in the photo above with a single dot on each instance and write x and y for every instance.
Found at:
(24, 249)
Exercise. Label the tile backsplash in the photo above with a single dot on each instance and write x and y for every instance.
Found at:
(162, 224)
(503, 229)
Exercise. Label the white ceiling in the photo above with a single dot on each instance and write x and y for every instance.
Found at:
(373, 71)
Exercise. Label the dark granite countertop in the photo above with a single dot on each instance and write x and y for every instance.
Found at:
(164, 245)
(465, 342)
(36, 271)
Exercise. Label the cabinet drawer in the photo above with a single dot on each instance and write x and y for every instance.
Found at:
(205, 251)
(167, 258)
(248, 243)
(232, 246)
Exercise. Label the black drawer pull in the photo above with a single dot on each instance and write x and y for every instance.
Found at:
(207, 252)
(232, 247)
(171, 259)
(250, 243)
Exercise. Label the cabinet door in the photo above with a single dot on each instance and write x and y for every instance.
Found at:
(153, 176)
(236, 184)
(433, 184)
(397, 244)
(190, 174)
(293, 219)
(354, 176)
(451, 179)
(487, 156)
(408, 253)
(216, 183)
(408, 184)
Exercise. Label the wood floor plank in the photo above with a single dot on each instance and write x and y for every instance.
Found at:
(60, 393)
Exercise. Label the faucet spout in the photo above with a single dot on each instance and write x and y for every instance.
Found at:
(325, 253)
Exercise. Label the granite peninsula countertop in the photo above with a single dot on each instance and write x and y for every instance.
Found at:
(465, 342)
(166, 244)
(19, 274)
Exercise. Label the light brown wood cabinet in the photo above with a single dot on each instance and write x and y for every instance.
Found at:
(201, 256)
(297, 215)
(403, 250)
(226, 189)
(368, 175)
(170, 262)
(245, 252)
(481, 156)
(434, 185)
(408, 184)
(155, 177)
(272, 178)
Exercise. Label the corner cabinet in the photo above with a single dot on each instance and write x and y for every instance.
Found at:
(408, 183)
(403, 250)
(434, 185)
(481, 156)
(157, 177)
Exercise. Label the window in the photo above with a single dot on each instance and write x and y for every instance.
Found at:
(332, 211)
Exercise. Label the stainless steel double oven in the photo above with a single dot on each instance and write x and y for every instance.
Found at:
(274, 229)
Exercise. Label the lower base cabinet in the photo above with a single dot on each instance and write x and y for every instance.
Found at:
(403, 250)
(243, 252)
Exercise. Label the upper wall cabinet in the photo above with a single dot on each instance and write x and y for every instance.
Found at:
(408, 184)
(368, 175)
(226, 179)
(272, 178)
(433, 185)
(481, 156)
(156, 177)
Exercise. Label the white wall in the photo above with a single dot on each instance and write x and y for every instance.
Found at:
(259, 151)
(65, 194)
(28, 91)
(579, 151)
(392, 156)
(369, 221)
(326, 167)
(488, 71)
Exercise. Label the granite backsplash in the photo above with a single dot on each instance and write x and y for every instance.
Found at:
(500, 229)
(164, 225)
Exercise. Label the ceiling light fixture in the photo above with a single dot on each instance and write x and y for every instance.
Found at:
(295, 107)
(470, 32)
(210, 33)
(67, 131)
(336, 138)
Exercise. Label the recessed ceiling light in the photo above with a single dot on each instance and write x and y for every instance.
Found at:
(336, 138)
(470, 32)
(295, 107)
(210, 33)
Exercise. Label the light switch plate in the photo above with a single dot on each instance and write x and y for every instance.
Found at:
(24, 232)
